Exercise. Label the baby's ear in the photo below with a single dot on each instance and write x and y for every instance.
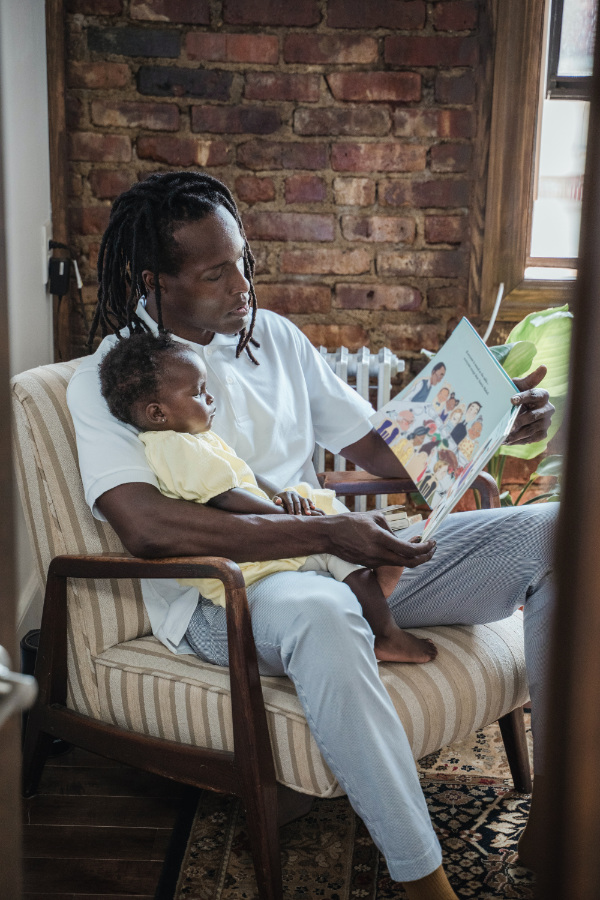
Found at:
(155, 415)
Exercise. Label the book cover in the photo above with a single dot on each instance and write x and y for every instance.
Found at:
(448, 422)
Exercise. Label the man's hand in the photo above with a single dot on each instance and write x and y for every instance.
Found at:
(295, 504)
(366, 539)
(536, 411)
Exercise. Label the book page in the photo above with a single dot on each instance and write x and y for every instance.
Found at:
(448, 422)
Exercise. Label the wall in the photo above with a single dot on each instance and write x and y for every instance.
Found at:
(27, 196)
(345, 128)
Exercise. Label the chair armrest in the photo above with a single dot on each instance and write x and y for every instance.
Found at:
(360, 483)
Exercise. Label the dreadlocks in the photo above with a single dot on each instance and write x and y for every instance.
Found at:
(140, 236)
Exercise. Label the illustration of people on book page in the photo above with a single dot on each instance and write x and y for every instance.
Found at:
(442, 425)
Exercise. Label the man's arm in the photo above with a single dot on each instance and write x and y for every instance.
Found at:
(151, 525)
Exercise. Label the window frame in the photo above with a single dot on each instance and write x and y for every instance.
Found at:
(562, 87)
(502, 253)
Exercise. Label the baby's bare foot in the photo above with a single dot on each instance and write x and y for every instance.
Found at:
(388, 577)
(401, 646)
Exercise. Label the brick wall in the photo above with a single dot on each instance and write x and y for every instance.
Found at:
(345, 128)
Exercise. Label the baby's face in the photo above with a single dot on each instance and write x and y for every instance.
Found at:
(184, 400)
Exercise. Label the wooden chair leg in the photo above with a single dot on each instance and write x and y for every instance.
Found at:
(263, 832)
(36, 750)
(512, 728)
(180, 837)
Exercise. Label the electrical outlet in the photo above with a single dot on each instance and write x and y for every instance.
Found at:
(46, 251)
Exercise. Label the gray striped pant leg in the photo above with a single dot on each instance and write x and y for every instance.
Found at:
(487, 564)
(311, 628)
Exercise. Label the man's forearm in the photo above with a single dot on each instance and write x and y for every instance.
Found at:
(153, 526)
(373, 455)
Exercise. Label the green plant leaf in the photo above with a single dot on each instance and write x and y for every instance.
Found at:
(506, 499)
(551, 465)
(515, 358)
(550, 332)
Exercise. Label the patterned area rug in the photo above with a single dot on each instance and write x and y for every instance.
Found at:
(329, 854)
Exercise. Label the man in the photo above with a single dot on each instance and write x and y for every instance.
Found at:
(175, 257)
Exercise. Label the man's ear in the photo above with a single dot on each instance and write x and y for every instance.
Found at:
(149, 280)
(155, 415)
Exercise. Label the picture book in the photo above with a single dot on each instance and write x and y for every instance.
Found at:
(447, 423)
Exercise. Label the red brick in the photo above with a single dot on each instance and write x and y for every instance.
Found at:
(328, 120)
(412, 338)
(431, 51)
(278, 86)
(437, 194)
(455, 16)
(390, 157)
(329, 49)
(271, 12)
(98, 75)
(333, 336)
(445, 229)
(270, 155)
(452, 297)
(305, 189)
(325, 261)
(93, 147)
(182, 151)
(376, 296)
(175, 81)
(154, 116)
(424, 263)
(294, 298)
(376, 86)
(436, 123)
(252, 48)
(96, 7)
(455, 88)
(106, 184)
(134, 41)
(75, 184)
(378, 229)
(451, 157)
(409, 14)
(189, 12)
(89, 219)
(354, 191)
(287, 226)
(236, 119)
(74, 113)
(251, 189)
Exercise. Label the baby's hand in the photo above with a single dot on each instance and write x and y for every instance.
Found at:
(296, 505)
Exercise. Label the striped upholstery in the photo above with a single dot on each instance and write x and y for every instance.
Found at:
(120, 673)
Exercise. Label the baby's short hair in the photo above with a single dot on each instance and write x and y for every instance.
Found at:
(131, 371)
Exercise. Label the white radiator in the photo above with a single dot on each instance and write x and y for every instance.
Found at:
(371, 375)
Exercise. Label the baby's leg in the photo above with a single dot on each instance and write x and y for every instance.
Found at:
(391, 643)
(388, 578)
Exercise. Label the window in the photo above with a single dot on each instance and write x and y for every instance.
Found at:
(537, 135)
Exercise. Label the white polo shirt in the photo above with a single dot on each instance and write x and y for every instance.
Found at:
(271, 415)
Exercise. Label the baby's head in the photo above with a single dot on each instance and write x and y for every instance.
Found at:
(156, 384)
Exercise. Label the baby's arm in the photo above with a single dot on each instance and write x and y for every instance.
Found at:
(238, 500)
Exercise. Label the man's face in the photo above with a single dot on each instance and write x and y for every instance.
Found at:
(405, 420)
(471, 413)
(437, 376)
(210, 292)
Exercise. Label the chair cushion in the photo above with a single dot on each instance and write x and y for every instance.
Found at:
(478, 676)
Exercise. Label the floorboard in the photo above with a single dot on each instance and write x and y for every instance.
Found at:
(96, 830)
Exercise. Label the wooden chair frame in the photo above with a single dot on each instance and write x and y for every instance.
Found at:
(249, 771)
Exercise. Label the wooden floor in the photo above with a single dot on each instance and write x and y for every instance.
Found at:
(96, 830)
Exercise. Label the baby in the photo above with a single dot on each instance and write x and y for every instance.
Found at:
(158, 385)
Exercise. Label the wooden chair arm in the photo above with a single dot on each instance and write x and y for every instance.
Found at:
(360, 483)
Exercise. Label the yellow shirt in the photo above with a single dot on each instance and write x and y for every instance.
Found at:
(198, 467)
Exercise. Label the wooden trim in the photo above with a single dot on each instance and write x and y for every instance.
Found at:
(57, 133)
(531, 295)
(517, 61)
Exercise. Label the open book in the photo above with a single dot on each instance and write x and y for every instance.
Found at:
(447, 423)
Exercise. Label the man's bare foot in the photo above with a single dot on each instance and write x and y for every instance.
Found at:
(401, 646)
(388, 577)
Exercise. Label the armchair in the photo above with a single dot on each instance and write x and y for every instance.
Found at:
(107, 685)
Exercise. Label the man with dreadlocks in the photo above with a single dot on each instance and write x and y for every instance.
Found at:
(175, 257)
